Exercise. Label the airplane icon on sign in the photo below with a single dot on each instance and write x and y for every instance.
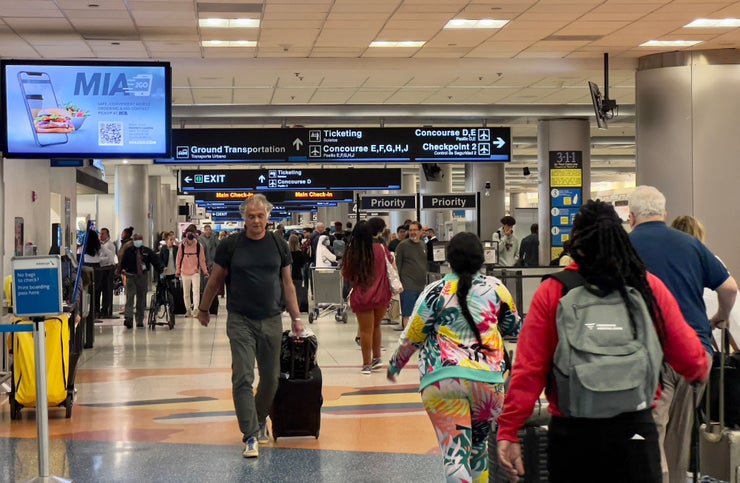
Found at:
(314, 151)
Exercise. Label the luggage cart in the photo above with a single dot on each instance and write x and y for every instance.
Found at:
(327, 294)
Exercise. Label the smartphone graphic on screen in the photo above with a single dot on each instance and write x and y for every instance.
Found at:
(50, 124)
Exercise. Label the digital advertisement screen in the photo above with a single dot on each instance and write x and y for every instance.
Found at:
(86, 109)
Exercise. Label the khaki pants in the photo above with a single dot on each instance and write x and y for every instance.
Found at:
(674, 415)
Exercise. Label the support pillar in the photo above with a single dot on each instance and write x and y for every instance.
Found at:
(442, 184)
(408, 187)
(154, 207)
(564, 170)
(492, 200)
(132, 188)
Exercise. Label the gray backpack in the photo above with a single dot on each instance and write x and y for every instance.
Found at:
(608, 359)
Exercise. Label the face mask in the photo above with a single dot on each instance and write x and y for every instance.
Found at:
(190, 236)
(138, 243)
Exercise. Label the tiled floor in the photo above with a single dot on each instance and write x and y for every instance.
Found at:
(156, 406)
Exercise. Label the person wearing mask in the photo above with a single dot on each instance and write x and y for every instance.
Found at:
(107, 266)
(529, 251)
(259, 290)
(411, 260)
(401, 232)
(189, 265)
(457, 325)
(508, 244)
(687, 267)
(325, 258)
(365, 268)
(136, 263)
(623, 447)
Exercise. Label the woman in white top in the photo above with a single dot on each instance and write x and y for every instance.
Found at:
(324, 256)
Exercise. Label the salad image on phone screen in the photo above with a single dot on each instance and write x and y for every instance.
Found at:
(50, 124)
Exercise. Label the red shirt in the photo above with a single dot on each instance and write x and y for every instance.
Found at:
(539, 337)
(378, 292)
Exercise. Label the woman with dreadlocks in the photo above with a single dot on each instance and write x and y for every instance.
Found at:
(457, 325)
(616, 449)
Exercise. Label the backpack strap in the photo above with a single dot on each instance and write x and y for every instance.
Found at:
(569, 278)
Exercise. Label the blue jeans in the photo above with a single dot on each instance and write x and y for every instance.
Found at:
(253, 340)
(408, 300)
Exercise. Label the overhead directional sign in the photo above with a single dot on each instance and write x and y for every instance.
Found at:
(314, 197)
(241, 180)
(423, 144)
(449, 201)
(388, 202)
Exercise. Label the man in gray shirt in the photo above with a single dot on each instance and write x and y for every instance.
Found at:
(411, 260)
(210, 242)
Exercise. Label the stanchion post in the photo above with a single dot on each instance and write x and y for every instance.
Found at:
(42, 401)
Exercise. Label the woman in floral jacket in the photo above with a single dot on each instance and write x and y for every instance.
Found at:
(457, 325)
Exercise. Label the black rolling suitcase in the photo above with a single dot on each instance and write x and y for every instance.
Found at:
(179, 299)
(301, 293)
(296, 409)
(534, 454)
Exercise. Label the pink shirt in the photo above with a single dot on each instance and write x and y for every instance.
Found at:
(187, 263)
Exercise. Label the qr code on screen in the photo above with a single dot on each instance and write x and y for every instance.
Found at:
(110, 133)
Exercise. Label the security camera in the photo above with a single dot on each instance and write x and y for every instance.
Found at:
(487, 185)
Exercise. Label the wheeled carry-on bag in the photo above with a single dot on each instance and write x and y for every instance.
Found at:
(533, 438)
(719, 446)
(296, 409)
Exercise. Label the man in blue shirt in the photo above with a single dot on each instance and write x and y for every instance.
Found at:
(686, 266)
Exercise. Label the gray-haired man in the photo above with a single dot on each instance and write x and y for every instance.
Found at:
(258, 264)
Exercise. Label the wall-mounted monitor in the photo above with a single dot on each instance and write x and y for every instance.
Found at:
(598, 102)
(86, 109)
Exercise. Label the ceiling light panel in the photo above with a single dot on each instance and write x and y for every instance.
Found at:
(229, 43)
(229, 23)
(670, 43)
(714, 23)
(486, 23)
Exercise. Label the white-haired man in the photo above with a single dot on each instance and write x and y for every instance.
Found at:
(686, 266)
(258, 264)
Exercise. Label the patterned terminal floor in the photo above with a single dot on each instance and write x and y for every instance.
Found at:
(156, 406)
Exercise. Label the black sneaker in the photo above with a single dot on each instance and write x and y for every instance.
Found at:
(128, 323)
(140, 324)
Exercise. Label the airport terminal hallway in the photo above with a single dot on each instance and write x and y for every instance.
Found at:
(156, 407)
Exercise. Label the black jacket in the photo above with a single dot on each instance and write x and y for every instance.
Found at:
(149, 259)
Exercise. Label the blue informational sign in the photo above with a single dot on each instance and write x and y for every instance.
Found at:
(560, 235)
(86, 109)
(563, 216)
(566, 197)
(37, 286)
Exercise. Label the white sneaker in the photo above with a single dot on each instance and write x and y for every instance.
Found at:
(251, 449)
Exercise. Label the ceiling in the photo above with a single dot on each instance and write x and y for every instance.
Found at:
(312, 64)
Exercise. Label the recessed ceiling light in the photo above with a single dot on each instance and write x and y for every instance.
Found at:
(228, 43)
(670, 43)
(403, 44)
(229, 23)
(484, 23)
(714, 23)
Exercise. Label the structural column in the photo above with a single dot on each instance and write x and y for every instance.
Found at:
(489, 180)
(131, 203)
(408, 187)
(441, 184)
(687, 106)
(167, 212)
(564, 170)
(154, 207)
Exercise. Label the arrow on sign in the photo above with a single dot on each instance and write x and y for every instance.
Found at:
(499, 142)
(297, 143)
(188, 179)
(261, 178)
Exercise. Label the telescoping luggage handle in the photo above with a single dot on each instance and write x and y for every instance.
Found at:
(713, 432)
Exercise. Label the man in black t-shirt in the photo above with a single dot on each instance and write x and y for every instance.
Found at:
(258, 264)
